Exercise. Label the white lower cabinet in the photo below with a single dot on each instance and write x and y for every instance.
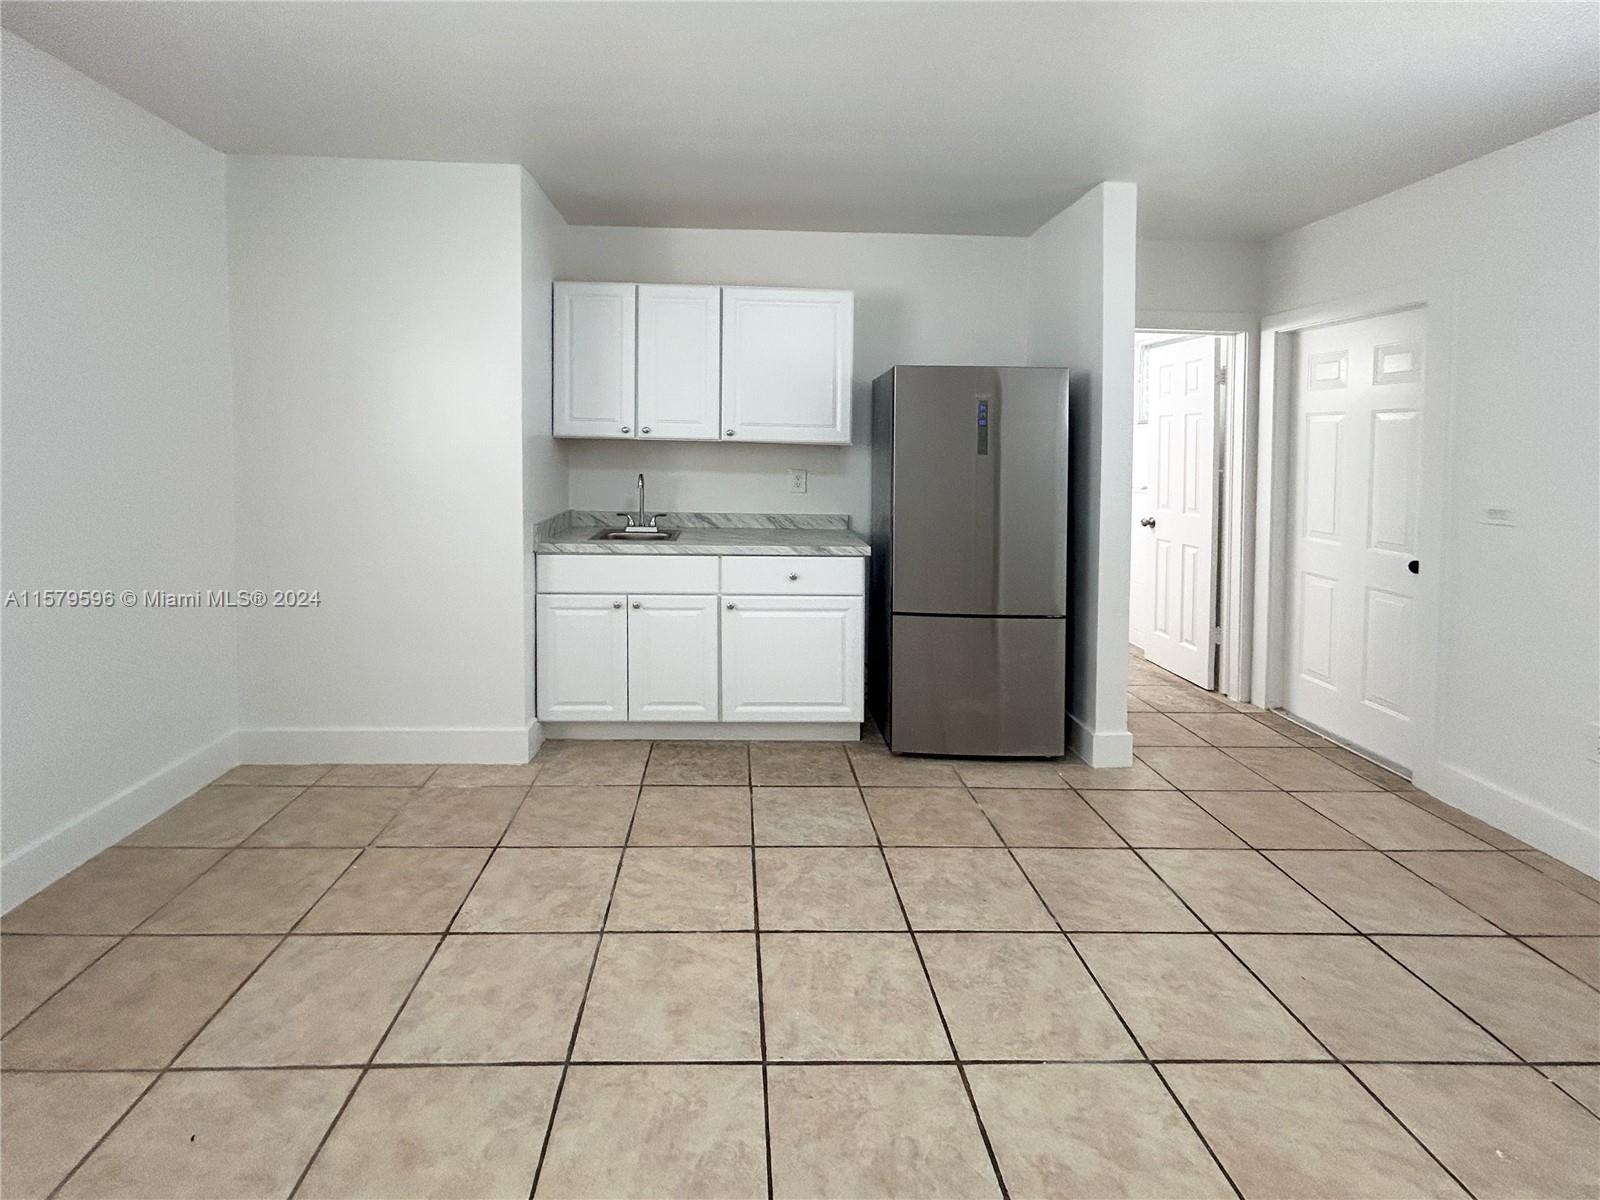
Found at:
(581, 657)
(792, 658)
(672, 658)
(651, 639)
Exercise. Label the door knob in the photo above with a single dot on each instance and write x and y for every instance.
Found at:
(728, 434)
(793, 575)
(636, 604)
(644, 429)
(730, 603)
(1148, 522)
(616, 604)
(627, 429)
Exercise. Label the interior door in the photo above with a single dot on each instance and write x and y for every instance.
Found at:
(672, 658)
(1355, 469)
(1177, 533)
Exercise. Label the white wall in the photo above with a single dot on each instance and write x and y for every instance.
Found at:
(1511, 239)
(118, 465)
(378, 371)
(544, 458)
(919, 299)
(1183, 284)
(1081, 291)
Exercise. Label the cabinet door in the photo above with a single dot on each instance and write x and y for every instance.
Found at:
(786, 358)
(792, 658)
(594, 384)
(581, 658)
(672, 658)
(680, 363)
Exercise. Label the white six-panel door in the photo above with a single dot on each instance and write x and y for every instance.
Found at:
(1355, 470)
(786, 363)
(594, 368)
(792, 658)
(672, 658)
(1177, 536)
(680, 362)
(581, 657)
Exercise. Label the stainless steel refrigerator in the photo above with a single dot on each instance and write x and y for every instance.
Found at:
(967, 638)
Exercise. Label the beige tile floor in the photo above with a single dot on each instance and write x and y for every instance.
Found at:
(1251, 964)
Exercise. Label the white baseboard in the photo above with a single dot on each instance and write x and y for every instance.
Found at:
(1554, 833)
(437, 745)
(707, 731)
(1099, 749)
(536, 737)
(42, 861)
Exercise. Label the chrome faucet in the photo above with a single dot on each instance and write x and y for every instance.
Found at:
(637, 520)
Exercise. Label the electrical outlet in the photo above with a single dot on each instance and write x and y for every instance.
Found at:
(797, 481)
(1496, 515)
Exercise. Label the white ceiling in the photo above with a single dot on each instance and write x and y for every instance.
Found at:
(1236, 120)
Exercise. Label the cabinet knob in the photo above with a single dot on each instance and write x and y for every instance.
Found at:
(616, 604)
(793, 575)
(730, 603)
(644, 429)
(627, 429)
(636, 604)
(728, 434)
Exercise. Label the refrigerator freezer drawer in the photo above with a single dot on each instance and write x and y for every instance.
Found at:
(978, 685)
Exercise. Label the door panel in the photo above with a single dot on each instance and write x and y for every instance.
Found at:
(980, 491)
(979, 685)
(680, 362)
(594, 384)
(672, 658)
(1179, 548)
(793, 658)
(581, 658)
(787, 355)
(1355, 473)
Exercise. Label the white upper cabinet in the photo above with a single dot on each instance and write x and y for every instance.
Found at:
(786, 359)
(594, 384)
(680, 363)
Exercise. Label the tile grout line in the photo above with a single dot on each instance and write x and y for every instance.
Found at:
(1387, 954)
(761, 987)
(366, 1068)
(162, 1072)
(1361, 1083)
(583, 1000)
(1106, 996)
(938, 1008)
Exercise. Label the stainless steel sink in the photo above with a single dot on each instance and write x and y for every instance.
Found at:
(635, 535)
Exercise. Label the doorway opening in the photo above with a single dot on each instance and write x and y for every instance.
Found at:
(1186, 604)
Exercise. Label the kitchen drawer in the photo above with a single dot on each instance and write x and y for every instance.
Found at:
(793, 575)
(663, 574)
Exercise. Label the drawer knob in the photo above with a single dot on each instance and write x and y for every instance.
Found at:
(730, 603)
(793, 575)
(636, 604)
(616, 604)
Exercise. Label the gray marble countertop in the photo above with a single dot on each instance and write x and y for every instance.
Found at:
(708, 533)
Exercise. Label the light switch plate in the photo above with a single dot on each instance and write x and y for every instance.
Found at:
(797, 481)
